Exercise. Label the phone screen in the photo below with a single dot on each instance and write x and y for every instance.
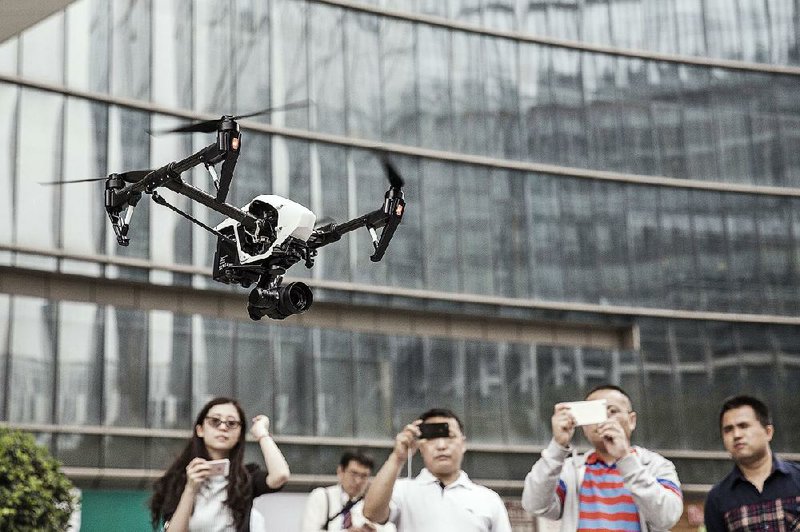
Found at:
(219, 467)
(434, 430)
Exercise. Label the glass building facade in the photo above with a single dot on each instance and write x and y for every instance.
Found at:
(616, 163)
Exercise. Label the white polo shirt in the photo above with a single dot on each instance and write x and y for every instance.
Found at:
(421, 505)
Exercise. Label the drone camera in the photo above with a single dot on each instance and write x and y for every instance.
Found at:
(279, 303)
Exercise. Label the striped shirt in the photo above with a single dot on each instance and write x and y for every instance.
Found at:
(605, 503)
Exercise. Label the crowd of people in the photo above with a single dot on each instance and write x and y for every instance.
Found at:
(615, 485)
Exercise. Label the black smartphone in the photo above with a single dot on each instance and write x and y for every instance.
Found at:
(434, 430)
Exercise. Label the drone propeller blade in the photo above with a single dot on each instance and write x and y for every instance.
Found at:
(392, 174)
(292, 105)
(207, 126)
(128, 177)
(66, 182)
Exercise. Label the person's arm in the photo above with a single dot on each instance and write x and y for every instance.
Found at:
(376, 500)
(196, 475)
(713, 518)
(314, 517)
(500, 520)
(657, 494)
(544, 492)
(277, 468)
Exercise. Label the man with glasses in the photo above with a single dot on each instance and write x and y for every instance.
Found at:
(614, 486)
(339, 507)
(441, 498)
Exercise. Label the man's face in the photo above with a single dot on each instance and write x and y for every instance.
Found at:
(353, 478)
(618, 408)
(443, 456)
(744, 436)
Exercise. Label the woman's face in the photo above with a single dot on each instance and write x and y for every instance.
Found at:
(220, 430)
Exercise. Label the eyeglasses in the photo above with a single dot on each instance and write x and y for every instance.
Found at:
(217, 422)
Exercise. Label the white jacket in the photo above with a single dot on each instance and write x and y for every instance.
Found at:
(659, 508)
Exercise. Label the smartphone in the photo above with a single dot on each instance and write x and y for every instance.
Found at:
(434, 430)
(588, 412)
(219, 467)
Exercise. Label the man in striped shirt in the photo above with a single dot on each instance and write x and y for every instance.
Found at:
(615, 486)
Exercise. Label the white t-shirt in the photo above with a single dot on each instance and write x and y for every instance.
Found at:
(210, 513)
(421, 505)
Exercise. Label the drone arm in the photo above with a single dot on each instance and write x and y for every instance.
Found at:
(388, 217)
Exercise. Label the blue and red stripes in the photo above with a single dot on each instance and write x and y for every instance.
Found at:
(604, 501)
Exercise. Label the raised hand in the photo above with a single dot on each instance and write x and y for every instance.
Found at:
(563, 423)
(260, 427)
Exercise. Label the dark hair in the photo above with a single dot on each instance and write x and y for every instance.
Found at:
(738, 401)
(612, 387)
(359, 456)
(442, 412)
(168, 489)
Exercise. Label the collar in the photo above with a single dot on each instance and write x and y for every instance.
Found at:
(344, 498)
(778, 465)
(593, 458)
(426, 477)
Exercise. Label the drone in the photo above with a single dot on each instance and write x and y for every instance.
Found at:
(259, 242)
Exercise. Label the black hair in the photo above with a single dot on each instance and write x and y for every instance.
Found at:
(356, 455)
(168, 489)
(613, 387)
(738, 401)
(442, 412)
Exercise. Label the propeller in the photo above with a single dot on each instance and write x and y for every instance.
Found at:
(128, 177)
(209, 126)
(392, 174)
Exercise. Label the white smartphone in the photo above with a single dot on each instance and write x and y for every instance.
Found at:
(588, 412)
(219, 467)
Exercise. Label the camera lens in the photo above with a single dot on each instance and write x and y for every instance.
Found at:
(279, 303)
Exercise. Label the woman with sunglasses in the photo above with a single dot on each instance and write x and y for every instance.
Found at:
(193, 495)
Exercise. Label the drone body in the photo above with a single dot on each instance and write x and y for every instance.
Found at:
(260, 241)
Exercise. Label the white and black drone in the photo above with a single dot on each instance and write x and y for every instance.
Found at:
(263, 239)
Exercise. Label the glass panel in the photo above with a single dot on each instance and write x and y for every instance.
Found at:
(373, 386)
(474, 236)
(333, 261)
(80, 364)
(295, 403)
(327, 73)
(169, 386)
(40, 117)
(336, 405)
(212, 365)
(83, 218)
(130, 49)
(254, 357)
(126, 368)
(31, 377)
(289, 61)
(486, 400)
(400, 119)
(363, 95)
(435, 105)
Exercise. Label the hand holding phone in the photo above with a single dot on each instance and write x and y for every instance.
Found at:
(588, 412)
(219, 467)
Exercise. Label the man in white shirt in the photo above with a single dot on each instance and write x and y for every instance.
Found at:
(441, 498)
(339, 507)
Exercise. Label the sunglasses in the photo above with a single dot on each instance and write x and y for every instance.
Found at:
(217, 422)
